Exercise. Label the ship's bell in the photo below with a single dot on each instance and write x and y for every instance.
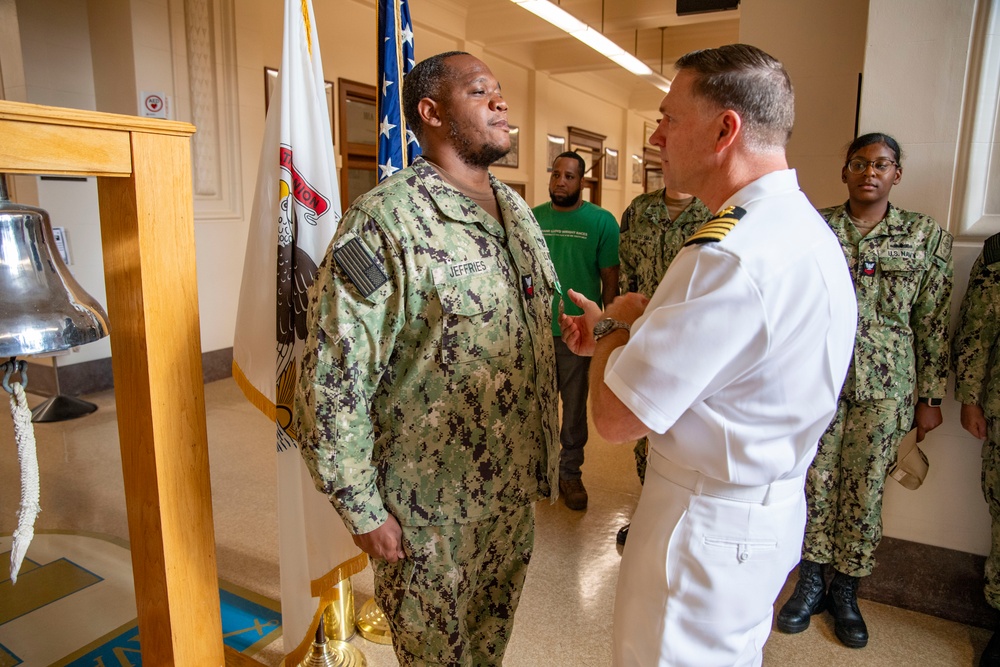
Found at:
(42, 307)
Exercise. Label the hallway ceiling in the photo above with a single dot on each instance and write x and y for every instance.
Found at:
(649, 29)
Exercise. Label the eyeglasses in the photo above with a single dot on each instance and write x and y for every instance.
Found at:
(859, 165)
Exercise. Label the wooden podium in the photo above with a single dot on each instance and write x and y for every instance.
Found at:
(143, 169)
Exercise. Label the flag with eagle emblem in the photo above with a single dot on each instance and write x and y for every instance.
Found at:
(295, 213)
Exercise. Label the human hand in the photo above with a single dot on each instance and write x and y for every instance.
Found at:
(974, 420)
(385, 542)
(627, 307)
(578, 330)
(926, 419)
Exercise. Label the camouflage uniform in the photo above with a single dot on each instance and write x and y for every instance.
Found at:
(977, 382)
(649, 242)
(428, 391)
(902, 272)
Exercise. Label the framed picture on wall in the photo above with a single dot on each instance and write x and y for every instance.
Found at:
(636, 169)
(271, 78)
(519, 188)
(647, 131)
(510, 159)
(556, 145)
(611, 164)
(587, 153)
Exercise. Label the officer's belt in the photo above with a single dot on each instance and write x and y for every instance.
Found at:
(699, 484)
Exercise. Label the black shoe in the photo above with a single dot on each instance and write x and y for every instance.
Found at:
(573, 493)
(808, 599)
(843, 604)
(991, 655)
(623, 534)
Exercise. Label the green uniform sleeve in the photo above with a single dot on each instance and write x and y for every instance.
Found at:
(626, 269)
(978, 328)
(355, 315)
(930, 318)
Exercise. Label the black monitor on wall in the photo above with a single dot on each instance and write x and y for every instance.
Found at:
(685, 7)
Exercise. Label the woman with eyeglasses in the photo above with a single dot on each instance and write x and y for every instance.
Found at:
(901, 265)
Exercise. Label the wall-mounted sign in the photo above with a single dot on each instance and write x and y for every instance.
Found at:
(154, 105)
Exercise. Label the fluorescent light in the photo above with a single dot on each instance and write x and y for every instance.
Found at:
(659, 81)
(632, 64)
(553, 14)
(594, 39)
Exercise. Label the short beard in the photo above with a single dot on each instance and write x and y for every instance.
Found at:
(566, 200)
(481, 157)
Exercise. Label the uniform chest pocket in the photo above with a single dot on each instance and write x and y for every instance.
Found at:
(899, 283)
(474, 324)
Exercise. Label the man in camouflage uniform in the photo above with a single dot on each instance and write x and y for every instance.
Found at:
(977, 387)
(654, 228)
(427, 404)
(901, 265)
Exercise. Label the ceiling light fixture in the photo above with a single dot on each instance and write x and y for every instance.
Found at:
(594, 39)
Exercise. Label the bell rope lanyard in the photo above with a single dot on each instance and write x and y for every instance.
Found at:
(27, 458)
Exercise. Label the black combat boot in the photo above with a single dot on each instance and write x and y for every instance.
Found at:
(991, 656)
(808, 599)
(843, 604)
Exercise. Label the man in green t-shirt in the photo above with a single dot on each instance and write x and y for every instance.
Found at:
(583, 244)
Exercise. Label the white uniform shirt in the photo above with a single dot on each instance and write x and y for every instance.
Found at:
(738, 360)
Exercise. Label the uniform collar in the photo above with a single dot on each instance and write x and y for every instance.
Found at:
(774, 183)
(456, 206)
(892, 224)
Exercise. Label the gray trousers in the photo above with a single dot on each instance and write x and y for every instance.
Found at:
(574, 383)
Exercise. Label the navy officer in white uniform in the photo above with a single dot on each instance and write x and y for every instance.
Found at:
(732, 368)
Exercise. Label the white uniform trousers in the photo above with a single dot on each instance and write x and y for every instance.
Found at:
(704, 563)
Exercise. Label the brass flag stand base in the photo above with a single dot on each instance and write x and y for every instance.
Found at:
(338, 618)
(332, 653)
(331, 648)
(372, 623)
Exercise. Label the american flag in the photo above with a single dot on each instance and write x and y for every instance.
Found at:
(397, 145)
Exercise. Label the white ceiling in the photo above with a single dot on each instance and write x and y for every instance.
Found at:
(649, 29)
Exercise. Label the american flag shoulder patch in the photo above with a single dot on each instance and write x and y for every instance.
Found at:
(362, 268)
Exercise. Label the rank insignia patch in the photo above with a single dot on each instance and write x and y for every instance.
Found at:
(360, 265)
(716, 229)
(529, 288)
(868, 268)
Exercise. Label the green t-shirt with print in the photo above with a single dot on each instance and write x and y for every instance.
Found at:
(581, 242)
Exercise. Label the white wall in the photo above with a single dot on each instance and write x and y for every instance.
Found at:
(55, 45)
(824, 66)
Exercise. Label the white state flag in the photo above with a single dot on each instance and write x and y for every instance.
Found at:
(296, 210)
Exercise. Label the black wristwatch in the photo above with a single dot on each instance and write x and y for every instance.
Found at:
(607, 325)
(932, 402)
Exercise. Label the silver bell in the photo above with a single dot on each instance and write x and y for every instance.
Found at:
(42, 307)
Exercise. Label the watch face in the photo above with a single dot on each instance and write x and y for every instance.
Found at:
(606, 326)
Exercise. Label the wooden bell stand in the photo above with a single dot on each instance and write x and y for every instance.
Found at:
(143, 170)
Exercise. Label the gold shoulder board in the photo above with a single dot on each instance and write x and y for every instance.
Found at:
(716, 229)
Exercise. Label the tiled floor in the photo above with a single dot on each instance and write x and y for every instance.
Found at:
(566, 609)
